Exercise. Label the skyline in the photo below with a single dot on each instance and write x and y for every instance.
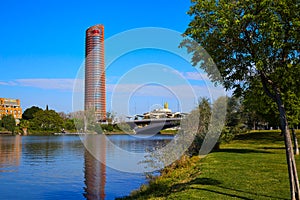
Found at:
(43, 46)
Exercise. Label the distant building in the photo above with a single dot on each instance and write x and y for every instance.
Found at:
(10, 107)
(95, 98)
(162, 113)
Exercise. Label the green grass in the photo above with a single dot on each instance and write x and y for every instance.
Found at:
(253, 166)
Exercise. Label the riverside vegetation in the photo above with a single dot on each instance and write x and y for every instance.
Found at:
(251, 166)
(255, 46)
(36, 121)
(244, 164)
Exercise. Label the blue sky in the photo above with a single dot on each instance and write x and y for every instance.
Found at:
(42, 49)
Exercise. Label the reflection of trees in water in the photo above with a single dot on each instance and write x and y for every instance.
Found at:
(47, 148)
(95, 176)
(10, 151)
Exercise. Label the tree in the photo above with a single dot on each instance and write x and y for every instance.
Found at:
(234, 121)
(204, 110)
(69, 124)
(24, 125)
(251, 41)
(261, 108)
(29, 112)
(79, 122)
(233, 114)
(110, 116)
(258, 109)
(9, 123)
(219, 110)
(47, 120)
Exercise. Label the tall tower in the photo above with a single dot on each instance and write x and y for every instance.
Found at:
(95, 97)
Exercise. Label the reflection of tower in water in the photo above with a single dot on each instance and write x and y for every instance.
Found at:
(95, 170)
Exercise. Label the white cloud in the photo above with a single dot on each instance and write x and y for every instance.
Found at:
(181, 91)
(3, 83)
(54, 84)
(196, 76)
(8, 83)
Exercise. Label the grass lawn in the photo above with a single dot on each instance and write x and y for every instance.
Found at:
(253, 166)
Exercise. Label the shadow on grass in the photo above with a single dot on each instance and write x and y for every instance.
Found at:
(260, 195)
(205, 181)
(273, 148)
(201, 184)
(243, 151)
(226, 191)
(264, 137)
(197, 181)
(225, 194)
(213, 186)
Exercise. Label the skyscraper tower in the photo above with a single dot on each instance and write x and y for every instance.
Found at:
(95, 98)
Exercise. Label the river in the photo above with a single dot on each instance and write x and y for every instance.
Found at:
(61, 167)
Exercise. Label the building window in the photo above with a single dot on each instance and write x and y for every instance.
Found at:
(97, 96)
(97, 106)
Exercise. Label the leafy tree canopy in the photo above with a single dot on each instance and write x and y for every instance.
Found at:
(24, 123)
(255, 44)
(47, 120)
(9, 123)
(203, 111)
(29, 112)
(247, 39)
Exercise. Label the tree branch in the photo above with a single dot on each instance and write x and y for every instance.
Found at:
(264, 81)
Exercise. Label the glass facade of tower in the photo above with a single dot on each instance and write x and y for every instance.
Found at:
(95, 97)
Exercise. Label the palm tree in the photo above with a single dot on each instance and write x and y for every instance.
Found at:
(24, 125)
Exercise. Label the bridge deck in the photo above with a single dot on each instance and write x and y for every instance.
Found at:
(155, 120)
(154, 125)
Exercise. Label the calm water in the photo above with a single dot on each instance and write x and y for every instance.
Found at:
(60, 167)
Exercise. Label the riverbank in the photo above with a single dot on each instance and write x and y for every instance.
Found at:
(5, 133)
(252, 166)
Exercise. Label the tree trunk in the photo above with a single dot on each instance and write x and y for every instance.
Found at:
(276, 96)
(24, 131)
(296, 147)
(293, 175)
